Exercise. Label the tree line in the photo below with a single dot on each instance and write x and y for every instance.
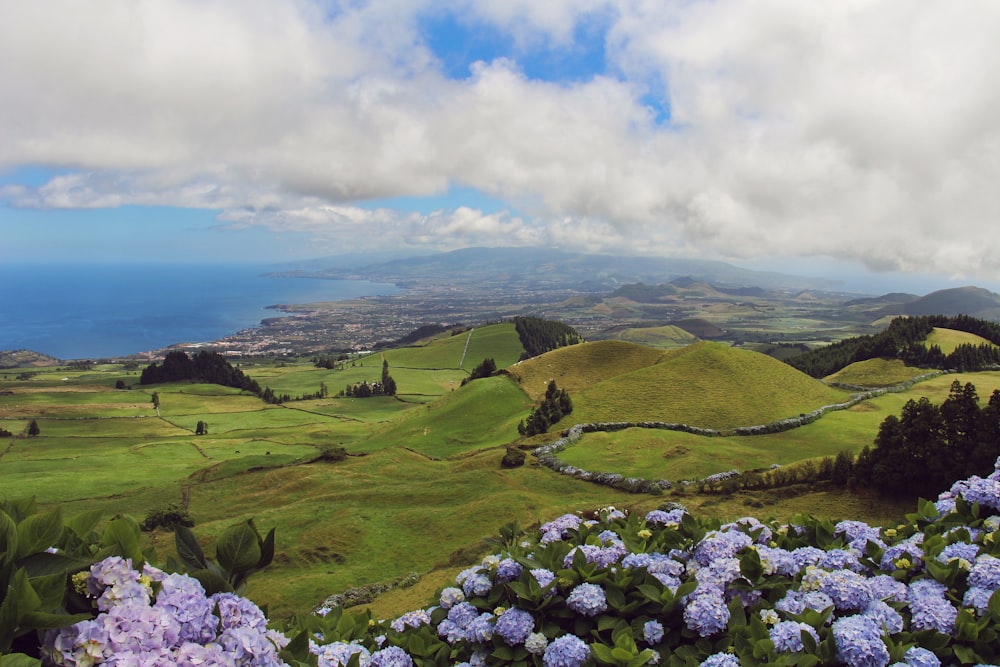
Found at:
(204, 366)
(927, 447)
(539, 336)
(904, 339)
(553, 407)
(364, 389)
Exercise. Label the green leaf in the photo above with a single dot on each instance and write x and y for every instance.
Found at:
(40, 620)
(602, 653)
(50, 590)
(122, 533)
(19, 660)
(84, 524)
(8, 539)
(965, 655)
(750, 565)
(994, 605)
(38, 532)
(212, 581)
(188, 549)
(8, 621)
(238, 548)
(266, 550)
(43, 564)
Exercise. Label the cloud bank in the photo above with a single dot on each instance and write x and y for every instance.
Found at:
(862, 130)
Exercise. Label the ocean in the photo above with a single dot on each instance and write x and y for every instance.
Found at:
(79, 311)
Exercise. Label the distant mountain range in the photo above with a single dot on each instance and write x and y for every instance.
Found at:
(550, 267)
(973, 301)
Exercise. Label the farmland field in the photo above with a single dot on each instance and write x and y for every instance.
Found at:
(422, 484)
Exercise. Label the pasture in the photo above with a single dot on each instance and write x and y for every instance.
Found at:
(422, 484)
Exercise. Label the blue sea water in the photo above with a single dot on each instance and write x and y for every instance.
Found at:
(78, 311)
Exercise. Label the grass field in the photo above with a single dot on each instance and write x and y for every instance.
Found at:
(423, 484)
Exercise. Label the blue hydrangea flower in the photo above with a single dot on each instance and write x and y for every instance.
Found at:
(706, 612)
(480, 630)
(787, 635)
(391, 656)
(338, 654)
(664, 518)
(721, 660)
(508, 570)
(859, 642)
(558, 529)
(848, 590)
(917, 656)
(749, 525)
(587, 600)
(514, 626)
(544, 578)
(904, 551)
(959, 550)
(652, 632)
(841, 559)
(411, 619)
(884, 587)
(718, 544)
(978, 599)
(885, 616)
(985, 573)
(566, 651)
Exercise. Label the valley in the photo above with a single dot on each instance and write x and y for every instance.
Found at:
(419, 484)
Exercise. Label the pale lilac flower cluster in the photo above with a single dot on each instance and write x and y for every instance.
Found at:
(177, 625)
(587, 600)
(787, 635)
(930, 608)
(514, 626)
(339, 654)
(859, 642)
(558, 529)
(566, 651)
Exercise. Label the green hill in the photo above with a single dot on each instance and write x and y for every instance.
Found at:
(662, 337)
(499, 341)
(706, 384)
(482, 414)
(949, 339)
(579, 366)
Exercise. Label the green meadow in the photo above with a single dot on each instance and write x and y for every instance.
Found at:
(422, 485)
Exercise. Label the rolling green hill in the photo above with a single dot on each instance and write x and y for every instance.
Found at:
(709, 385)
(579, 366)
(661, 337)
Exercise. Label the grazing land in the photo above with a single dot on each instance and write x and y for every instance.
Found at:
(421, 484)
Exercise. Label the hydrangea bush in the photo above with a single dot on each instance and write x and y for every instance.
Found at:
(621, 590)
(669, 589)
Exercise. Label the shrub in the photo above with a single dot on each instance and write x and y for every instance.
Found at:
(168, 517)
(512, 458)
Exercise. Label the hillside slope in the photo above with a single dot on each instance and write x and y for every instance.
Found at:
(706, 384)
(579, 366)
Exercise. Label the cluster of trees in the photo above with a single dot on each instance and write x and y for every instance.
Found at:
(553, 407)
(928, 447)
(329, 361)
(486, 368)
(903, 339)
(204, 366)
(269, 395)
(385, 387)
(539, 336)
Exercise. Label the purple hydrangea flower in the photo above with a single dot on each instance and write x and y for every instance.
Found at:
(721, 660)
(480, 630)
(848, 590)
(959, 550)
(841, 559)
(884, 587)
(450, 597)
(717, 545)
(859, 642)
(748, 525)
(978, 599)
(985, 573)
(587, 600)
(706, 612)
(337, 654)
(566, 651)
(917, 656)
(902, 551)
(411, 619)
(508, 570)
(787, 635)
(885, 616)
(558, 529)
(544, 578)
(514, 626)
(664, 518)
(391, 656)
(652, 632)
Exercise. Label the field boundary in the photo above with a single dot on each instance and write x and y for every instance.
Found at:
(546, 454)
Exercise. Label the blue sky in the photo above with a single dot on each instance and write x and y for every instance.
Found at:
(773, 134)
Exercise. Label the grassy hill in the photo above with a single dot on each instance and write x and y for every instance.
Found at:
(707, 384)
(949, 339)
(579, 366)
(660, 337)
(875, 373)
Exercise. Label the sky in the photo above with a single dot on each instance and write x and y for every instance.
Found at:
(854, 135)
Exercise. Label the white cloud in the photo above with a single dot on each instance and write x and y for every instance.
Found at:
(862, 130)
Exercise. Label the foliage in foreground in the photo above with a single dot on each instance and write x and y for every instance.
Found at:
(664, 588)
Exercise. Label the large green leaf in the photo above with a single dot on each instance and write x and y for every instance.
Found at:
(38, 532)
(84, 524)
(19, 660)
(238, 549)
(122, 533)
(8, 539)
(42, 564)
(188, 549)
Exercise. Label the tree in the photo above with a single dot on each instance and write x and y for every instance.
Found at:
(33, 429)
(388, 384)
(201, 428)
(156, 400)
